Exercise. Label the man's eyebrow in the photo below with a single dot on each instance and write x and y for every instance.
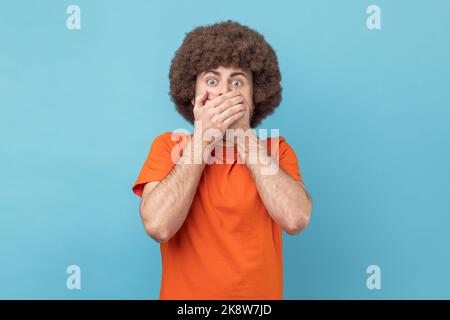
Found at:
(217, 73)
(238, 73)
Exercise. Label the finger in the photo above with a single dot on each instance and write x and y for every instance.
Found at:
(233, 118)
(231, 111)
(200, 99)
(230, 103)
(222, 98)
(231, 94)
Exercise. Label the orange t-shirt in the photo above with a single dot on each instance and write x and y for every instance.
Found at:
(228, 247)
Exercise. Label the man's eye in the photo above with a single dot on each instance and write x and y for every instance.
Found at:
(236, 83)
(212, 82)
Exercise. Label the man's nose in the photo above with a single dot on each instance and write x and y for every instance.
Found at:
(219, 90)
(223, 88)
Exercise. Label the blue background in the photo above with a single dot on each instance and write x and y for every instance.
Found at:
(366, 111)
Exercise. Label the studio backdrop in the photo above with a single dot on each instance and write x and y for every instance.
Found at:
(84, 90)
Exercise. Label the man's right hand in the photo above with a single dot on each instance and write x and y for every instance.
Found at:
(218, 113)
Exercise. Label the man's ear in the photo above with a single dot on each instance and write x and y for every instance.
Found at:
(193, 101)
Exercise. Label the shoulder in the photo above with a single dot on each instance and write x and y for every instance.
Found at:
(170, 137)
(279, 146)
(168, 140)
(278, 141)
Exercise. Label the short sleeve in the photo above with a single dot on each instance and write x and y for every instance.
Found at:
(158, 163)
(287, 159)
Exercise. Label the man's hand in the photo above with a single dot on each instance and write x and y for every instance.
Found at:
(244, 121)
(218, 113)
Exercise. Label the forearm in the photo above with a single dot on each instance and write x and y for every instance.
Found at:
(165, 208)
(285, 199)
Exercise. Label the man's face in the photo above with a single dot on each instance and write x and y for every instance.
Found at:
(225, 79)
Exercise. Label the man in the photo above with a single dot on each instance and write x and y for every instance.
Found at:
(219, 223)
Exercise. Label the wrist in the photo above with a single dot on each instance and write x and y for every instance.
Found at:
(193, 152)
(198, 138)
(249, 146)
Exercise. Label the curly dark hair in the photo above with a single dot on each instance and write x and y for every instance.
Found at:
(227, 44)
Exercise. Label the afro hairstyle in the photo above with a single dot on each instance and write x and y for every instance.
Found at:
(227, 44)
